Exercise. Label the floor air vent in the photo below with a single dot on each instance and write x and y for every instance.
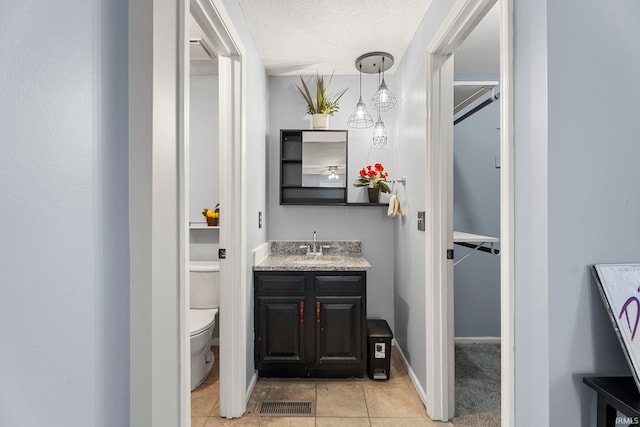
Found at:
(286, 408)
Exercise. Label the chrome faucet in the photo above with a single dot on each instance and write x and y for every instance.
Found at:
(314, 249)
(315, 240)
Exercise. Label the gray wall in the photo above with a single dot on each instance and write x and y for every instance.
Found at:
(204, 176)
(409, 243)
(593, 194)
(576, 197)
(476, 209)
(370, 224)
(64, 257)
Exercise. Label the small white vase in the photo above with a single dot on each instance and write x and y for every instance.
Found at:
(320, 121)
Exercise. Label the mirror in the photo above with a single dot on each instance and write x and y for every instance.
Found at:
(324, 159)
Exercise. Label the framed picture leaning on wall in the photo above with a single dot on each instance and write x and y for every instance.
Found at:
(619, 286)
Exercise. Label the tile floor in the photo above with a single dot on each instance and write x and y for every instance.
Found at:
(349, 402)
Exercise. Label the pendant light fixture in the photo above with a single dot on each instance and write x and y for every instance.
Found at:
(383, 100)
(360, 118)
(332, 172)
(379, 136)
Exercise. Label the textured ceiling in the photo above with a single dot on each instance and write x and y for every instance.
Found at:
(325, 36)
(304, 37)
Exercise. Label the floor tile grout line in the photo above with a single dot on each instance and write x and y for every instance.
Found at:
(366, 404)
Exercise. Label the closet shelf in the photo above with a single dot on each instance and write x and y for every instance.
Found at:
(476, 242)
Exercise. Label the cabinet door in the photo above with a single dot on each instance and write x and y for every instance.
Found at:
(280, 332)
(339, 330)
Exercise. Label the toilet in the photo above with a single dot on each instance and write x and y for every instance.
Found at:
(203, 311)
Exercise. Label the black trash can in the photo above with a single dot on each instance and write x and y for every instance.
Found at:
(379, 349)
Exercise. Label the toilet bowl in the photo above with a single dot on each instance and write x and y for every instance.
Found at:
(203, 311)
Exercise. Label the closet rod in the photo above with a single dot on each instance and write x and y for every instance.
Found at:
(494, 97)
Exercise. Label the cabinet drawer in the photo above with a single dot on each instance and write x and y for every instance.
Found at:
(339, 284)
(280, 284)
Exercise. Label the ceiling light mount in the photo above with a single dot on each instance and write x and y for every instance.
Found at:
(374, 62)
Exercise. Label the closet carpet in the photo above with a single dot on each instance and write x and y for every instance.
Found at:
(477, 385)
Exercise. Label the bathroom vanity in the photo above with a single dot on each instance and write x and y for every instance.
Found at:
(310, 314)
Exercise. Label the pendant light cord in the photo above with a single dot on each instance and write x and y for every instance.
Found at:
(383, 68)
(360, 80)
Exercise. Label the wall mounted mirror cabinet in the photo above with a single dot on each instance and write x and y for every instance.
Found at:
(313, 167)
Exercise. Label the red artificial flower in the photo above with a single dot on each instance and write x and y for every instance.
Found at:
(369, 167)
(379, 167)
(385, 175)
(362, 172)
(372, 172)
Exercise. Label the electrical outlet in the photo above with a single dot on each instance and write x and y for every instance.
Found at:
(259, 219)
(421, 220)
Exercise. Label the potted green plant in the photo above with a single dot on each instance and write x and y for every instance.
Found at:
(374, 178)
(322, 105)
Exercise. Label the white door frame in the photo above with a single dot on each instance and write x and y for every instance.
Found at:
(461, 20)
(156, 218)
(158, 187)
(217, 25)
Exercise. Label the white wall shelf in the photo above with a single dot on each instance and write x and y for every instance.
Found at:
(202, 226)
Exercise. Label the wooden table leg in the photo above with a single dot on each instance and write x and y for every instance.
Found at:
(606, 414)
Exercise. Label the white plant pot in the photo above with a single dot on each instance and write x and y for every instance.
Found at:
(320, 121)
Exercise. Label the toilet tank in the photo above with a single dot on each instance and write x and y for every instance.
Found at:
(204, 284)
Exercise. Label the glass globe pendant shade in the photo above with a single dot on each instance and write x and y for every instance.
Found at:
(383, 99)
(360, 118)
(379, 136)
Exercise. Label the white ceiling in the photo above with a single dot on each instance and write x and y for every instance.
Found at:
(308, 37)
(325, 36)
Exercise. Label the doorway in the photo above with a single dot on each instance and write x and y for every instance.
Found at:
(217, 26)
(476, 222)
(159, 236)
(464, 16)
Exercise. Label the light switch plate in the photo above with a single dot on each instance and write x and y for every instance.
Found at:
(421, 220)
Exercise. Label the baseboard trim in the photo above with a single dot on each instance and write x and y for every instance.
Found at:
(477, 340)
(252, 385)
(412, 375)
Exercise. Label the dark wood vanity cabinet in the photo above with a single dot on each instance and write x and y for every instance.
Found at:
(310, 324)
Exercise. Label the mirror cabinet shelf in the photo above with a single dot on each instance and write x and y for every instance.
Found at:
(313, 167)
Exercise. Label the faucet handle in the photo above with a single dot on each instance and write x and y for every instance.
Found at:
(303, 246)
(326, 246)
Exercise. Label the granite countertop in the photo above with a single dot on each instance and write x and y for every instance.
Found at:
(337, 256)
(313, 263)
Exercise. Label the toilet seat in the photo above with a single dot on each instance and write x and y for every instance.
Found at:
(201, 319)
